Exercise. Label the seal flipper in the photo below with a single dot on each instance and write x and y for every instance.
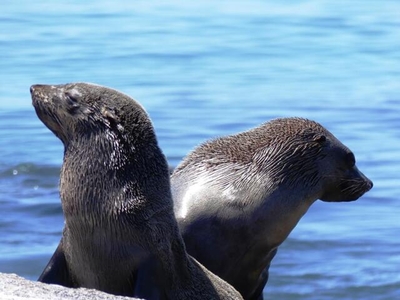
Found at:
(257, 293)
(56, 271)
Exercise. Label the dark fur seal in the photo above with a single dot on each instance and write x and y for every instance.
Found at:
(120, 234)
(237, 198)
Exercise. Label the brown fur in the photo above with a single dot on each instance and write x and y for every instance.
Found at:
(120, 234)
(238, 197)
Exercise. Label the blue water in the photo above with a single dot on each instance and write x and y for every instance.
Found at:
(208, 69)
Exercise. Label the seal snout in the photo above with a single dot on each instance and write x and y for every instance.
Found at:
(34, 93)
(35, 90)
(40, 93)
(369, 184)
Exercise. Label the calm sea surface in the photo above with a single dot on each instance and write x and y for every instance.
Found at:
(209, 69)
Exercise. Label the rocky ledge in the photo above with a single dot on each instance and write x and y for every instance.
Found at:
(14, 287)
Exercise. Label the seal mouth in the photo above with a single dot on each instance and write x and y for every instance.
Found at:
(38, 95)
(44, 107)
(354, 193)
(350, 190)
(40, 100)
(354, 189)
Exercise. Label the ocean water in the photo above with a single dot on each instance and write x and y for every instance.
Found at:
(208, 69)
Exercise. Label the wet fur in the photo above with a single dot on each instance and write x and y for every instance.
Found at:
(238, 197)
(120, 234)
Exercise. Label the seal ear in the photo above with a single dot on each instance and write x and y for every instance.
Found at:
(111, 117)
(109, 114)
(319, 138)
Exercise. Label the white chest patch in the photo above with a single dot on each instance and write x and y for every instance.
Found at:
(187, 199)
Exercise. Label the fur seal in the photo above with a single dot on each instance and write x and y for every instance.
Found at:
(120, 234)
(237, 198)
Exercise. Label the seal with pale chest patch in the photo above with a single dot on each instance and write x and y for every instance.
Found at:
(237, 198)
(120, 234)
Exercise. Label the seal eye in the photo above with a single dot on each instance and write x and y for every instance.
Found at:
(350, 159)
(72, 102)
(320, 139)
(70, 98)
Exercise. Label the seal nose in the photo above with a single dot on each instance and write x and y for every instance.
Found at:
(32, 89)
(370, 184)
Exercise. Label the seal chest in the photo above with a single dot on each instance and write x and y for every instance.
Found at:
(238, 197)
(120, 234)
